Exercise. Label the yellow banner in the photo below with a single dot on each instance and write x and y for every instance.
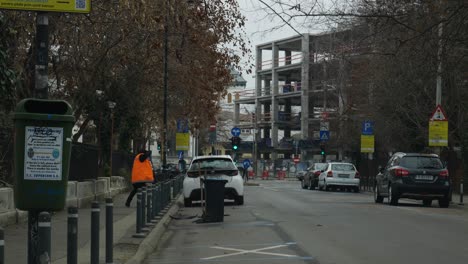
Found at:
(182, 141)
(66, 6)
(367, 143)
(438, 133)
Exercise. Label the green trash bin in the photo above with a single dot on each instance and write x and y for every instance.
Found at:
(43, 130)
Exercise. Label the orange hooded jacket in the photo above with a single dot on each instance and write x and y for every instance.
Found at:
(142, 171)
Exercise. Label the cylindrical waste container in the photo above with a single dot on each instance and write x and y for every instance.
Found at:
(214, 189)
(43, 130)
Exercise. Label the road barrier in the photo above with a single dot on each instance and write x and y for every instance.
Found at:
(281, 175)
(265, 175)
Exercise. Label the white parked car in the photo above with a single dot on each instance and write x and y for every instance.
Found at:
(220, 167)
(339, 174)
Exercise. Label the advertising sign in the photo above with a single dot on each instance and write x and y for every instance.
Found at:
(43, 152)
(65, 6)
(367, 143)
(182, 141)
(438, 133)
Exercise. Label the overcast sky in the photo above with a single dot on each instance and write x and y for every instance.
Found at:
(259, 28)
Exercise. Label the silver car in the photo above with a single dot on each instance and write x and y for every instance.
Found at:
(339, 175)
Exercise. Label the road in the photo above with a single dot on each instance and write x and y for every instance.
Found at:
(281, 223)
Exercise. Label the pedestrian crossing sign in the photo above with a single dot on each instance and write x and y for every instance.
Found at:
(324, 135)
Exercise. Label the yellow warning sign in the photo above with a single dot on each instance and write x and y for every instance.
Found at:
(367, 143)
(438, 133)
(182, 141)
(66, 6)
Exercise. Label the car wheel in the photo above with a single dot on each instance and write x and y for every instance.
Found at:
(303, 185)
(239, 200)
(356, 189)
(427, 202)
(326, 187)
(377, 197)
(187, 202)
(444, 202)
(392, 196)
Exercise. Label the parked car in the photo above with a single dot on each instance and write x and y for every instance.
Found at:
(415, 176)
(213, 166)
(311, 178)
(339, 175)
(301, 170)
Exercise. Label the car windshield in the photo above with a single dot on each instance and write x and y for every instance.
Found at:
(342, 167)
(420, 162)
(212, 164)
(320, 166)
(301, 166)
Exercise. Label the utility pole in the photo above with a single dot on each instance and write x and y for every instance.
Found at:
(166, 36)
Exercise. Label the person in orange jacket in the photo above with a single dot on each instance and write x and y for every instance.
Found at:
(142, 173)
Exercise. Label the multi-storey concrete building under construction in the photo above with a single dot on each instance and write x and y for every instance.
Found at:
(302, 83)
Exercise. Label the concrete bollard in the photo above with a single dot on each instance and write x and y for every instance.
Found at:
(95, 212)
(72, 236)
(139, 231)
(44, 242)
(109, 231)
(2, 246)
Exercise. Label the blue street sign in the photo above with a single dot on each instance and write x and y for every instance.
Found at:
(368, 127)
(246, 163)
(235, 131)
(180, 154)
(182, 126)
(324, 135)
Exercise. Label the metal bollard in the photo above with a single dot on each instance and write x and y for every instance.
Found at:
(109, 231)
(2, 246)
(95, 212)
(72, 236)
(143, 207)
(149, 199)
(153, 203)
(139, 231)
(43, 232)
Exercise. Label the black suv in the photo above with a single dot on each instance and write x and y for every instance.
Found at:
(416, 176)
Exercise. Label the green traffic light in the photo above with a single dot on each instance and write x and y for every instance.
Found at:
(235, 147)
(323, 153)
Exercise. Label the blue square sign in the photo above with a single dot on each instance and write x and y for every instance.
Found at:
(324, 135)
(368, 127)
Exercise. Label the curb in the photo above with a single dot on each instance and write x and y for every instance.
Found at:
(151, 242)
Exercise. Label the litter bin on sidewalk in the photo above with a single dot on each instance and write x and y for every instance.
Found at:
(214, 190)
(43, 131)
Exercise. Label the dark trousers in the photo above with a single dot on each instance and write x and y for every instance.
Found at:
(136, 186)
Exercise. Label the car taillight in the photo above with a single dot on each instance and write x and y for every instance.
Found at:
(330, 174)
(444, 174)
(317, 173)
(401, 173)
(357, 175)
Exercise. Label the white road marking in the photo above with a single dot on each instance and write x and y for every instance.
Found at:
(253, 251)
(271, 189)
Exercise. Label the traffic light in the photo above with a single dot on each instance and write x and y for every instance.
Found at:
(235, 141)
(323, 153)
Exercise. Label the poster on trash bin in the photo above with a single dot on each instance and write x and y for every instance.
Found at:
(43, 153)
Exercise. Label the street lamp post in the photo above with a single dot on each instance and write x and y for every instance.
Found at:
(111, 107)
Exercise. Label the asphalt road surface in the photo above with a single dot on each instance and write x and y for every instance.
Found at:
(282, 223)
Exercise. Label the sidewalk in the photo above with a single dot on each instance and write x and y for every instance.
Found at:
(124, 224)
